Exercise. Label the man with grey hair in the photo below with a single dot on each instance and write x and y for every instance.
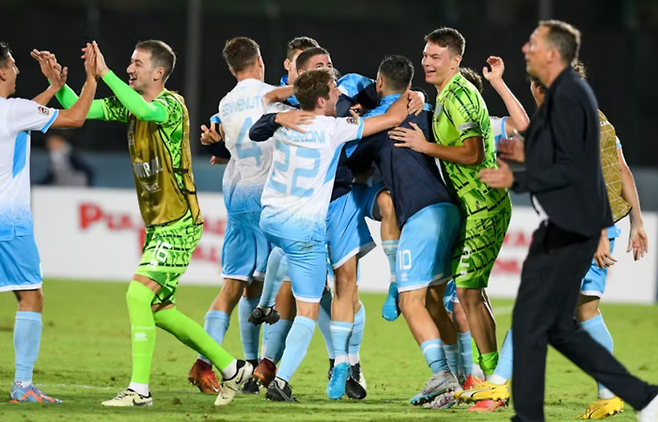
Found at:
(564, 178)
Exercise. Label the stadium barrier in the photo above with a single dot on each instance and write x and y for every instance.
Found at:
(94, 234)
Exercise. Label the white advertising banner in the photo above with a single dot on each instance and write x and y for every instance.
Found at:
(628, 280)
(98, 234)
(93, 234)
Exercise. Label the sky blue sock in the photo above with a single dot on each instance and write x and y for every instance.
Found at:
(297, 343)
(324, 321)
(277, 269)
(357, 334)
(391, 251)
(276, 340)
(466, 353)
(505, 359)
(340, 336)
(216, 325)
(27, 338)
(597, 329)
(266, 336)
(434, 355)
(452, 356)
(249, 333)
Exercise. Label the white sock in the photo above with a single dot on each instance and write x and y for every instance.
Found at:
(141, 389)
(206, 360)
(497, 379)
(341, 359)
(353, 358)
(606, 394)
(230, 371)
(23, 384)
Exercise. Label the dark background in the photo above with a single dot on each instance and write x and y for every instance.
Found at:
(618, 46)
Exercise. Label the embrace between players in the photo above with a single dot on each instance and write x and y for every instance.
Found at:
(307, 162)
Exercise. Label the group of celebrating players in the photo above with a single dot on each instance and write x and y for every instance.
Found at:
(307, 162)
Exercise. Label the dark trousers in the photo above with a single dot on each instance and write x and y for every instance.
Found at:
(545, 314)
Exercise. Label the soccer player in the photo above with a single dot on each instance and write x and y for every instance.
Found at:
(465, 145)
(503, 128)
(245, 250)
(296, 199)
(20, 265)
(294, 49)
(429, 222)
(158, 140)
(624, 200)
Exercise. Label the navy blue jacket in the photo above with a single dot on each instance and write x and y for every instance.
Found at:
(414, 180)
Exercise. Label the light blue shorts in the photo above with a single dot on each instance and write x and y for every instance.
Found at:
(366, 196)
(307, 267)
(20, 265)
(347, 232)
(450, 296)
(594, 282)
(246, 249)
(425, 247)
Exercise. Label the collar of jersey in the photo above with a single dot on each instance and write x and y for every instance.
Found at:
(384, 105)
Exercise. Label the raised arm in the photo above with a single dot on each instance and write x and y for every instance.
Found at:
(518, 118)
(77, 114)
(154, 111)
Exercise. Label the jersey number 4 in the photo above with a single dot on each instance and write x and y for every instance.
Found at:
(254, 151)
(284, 166)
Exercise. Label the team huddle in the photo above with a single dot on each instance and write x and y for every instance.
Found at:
(307, 162)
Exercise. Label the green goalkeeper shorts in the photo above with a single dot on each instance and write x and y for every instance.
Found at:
(166, 254)
(477, 248)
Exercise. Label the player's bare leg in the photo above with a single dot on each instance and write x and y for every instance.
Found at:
(483, 326)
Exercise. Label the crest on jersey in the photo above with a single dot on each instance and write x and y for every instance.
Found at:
(353, 120)
(43, 110)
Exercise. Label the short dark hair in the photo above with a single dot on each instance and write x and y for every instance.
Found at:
(241, 53)
(448, 37)
(564, 37)
(4, 53)
(300, 43)
(580, 68)
(398, 71)
(306, 55)
(311, 85)
(161, 55)
(473, 77)
(536, 82)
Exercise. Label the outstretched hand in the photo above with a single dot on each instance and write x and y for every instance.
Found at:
(52, 70)
(100, 68)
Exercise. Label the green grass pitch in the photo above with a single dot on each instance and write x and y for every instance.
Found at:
(85, 358)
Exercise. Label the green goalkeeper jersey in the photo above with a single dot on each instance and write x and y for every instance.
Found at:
(159, 145)
(461, 113)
